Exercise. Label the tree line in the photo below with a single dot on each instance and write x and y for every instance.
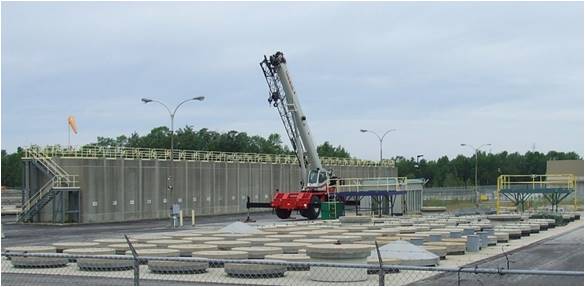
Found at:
(458, 171)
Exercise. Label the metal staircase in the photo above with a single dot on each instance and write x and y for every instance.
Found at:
(60, 180)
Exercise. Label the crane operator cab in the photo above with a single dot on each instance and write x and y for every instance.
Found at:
(318, 178)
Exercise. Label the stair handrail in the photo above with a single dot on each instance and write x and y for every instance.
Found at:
(57, 170)
(36, 197)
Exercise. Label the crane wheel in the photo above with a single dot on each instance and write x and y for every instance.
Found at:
(283, 213)
(313, 211)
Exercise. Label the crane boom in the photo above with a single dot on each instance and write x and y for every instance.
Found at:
(283, 96)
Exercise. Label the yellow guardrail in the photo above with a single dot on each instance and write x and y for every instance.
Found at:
(535, 181)
(188, 155)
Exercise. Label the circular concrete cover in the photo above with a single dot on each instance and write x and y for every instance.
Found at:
(343, 238)
(71, 245)
(316, 241)
(92, 251)
(157, 252)
(257, 252)
(355, 219)
(338, 251)
(32, 249)
(108, 241)
(504, 217)
(166, 242)
(229, 244)
(287, 237)
(288, 247)
(221, 254)
(260, 241)
(289, 257)
(202, 239)
(187, 249)
(124, 246)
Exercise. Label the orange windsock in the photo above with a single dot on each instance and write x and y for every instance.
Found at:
(72, 124)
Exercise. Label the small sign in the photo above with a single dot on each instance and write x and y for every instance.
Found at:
(194, 198)
(233, 198)
(115, 202)
(148, 201)
(208, 198)
(131, 202)
(94, 203)
(164, 200)
(266, 196)
(179, 200)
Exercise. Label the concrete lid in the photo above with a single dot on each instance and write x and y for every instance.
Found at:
(124, 246)
(284, 245)
(259, 241)
(259, 251)
(221, 244)
(31, 249)
(355, 228)
(68, 245)
(451, 246)
(234, 236)
(438, 250)
(338, 251)
(158, 252)
(362, 235)
(202, 239)
(146, 237)
(205, 232)
(287, 237)
(107, 241)
(333, 231)
(504, 217)
(193, 247)
(343, 238)
(288, 257)
(386, 231)
(312, 233)
(316, 241)
(90, 251)
(221, 254)
(166, 242)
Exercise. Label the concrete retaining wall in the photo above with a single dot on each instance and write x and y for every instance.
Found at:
(135, 189)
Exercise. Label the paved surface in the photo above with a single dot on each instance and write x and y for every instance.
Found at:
(38, 234)
(562, 252)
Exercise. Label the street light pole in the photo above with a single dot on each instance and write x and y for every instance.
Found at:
(476, 150)
(380, 138)
(170, 178)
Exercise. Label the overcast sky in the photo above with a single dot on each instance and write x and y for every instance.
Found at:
(510, 74)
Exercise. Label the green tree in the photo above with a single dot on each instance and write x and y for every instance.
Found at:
(12, 168)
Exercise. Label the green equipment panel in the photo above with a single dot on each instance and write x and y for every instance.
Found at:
(332, 210)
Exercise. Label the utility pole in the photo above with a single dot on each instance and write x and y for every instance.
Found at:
(476, 150)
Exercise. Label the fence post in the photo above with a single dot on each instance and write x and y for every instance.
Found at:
(192, 217)
(136, 262)
(381, 271)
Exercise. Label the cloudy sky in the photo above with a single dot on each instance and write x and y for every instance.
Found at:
(510, 74)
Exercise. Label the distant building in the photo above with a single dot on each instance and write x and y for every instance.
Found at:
(574, 167)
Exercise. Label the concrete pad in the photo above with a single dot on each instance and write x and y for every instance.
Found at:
(234, 236)
(164, 243)
(186, 250)
(287, 237)
(252, 271)
(91, 264)
(60, 246)
(104, 242)
(343, 238)
(453, 248)
(311, 234)
(258, 252)
(260, 241)
(386, 231)
(338, 253)
(370, 236)
(298, 258)
(229, 244)
(316, 241)
(501, 237)
(203, 239)
(143, 238)
(35, 262)
(121, 248)
(288, 247)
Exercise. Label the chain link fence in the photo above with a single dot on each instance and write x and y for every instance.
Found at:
(65, 269)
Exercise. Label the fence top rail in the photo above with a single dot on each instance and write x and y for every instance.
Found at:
(302, 264)
(93, 151)
(537, 180)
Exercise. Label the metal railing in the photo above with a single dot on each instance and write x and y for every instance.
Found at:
(67, 269)
(188, 155)
(535, 183)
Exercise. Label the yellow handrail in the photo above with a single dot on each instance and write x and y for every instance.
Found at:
(188, 155)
